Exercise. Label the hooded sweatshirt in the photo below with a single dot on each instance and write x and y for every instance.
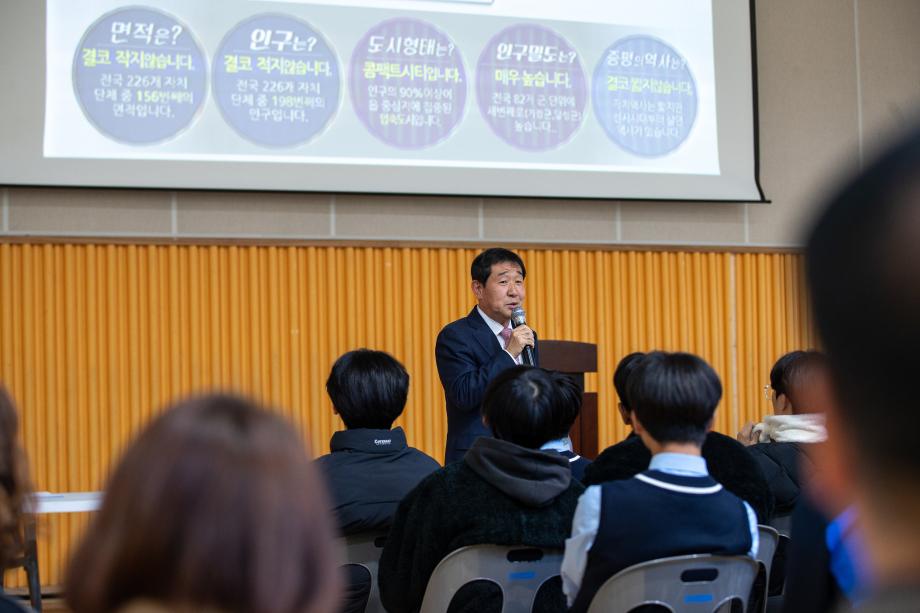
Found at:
(530, 476)
(499, 494)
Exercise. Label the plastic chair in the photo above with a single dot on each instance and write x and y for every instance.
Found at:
(518, 571)
(364, 550)
(693, 583)
(782, 523)
(769, 541)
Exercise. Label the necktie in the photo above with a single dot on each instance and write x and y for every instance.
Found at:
(506, 335)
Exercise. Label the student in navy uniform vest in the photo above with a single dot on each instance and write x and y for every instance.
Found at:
(674, 507)
(727, 460)
(472, 351)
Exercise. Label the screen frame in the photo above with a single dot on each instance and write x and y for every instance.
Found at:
(71, 172)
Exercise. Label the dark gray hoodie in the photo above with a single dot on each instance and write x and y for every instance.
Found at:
(531, 476)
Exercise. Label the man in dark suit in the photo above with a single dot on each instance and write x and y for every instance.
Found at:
(471, 351)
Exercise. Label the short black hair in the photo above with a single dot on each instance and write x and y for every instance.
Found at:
(779, 379)
(674, 395)
(531, 406)
(368, 388)
(481, 267)
(621, 375)
(863, 268)
(789, 369)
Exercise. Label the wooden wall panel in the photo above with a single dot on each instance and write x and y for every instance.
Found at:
(95, 339)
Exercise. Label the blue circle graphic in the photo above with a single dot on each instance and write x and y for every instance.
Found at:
(139, 75)
(644, 96)
(276, 80)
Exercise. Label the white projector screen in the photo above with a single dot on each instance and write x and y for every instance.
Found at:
(632, 99)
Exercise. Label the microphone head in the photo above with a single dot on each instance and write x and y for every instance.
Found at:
(517, 317)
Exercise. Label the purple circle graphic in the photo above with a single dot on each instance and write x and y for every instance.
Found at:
(276, 80)
(644, 96)
(408, 85)
(531, 87)
(139, 75)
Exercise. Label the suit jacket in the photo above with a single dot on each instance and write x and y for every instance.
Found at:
(469, 356)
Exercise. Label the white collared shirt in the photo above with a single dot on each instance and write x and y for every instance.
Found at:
(496, 329)
(560, 445)
(587, 519)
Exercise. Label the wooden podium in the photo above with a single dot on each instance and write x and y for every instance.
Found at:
(575, 359)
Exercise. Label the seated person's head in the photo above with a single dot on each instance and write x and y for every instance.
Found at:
(620, 379)
(531, 406)
(14, 482)
(863, 264)
(673, 398)
(368, 389)
(215, 506)
(798, 380)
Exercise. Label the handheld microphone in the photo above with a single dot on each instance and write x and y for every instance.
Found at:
(518, 319)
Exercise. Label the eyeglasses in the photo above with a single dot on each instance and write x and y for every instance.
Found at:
(768, 392)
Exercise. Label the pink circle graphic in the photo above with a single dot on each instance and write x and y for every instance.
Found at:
(408, 85)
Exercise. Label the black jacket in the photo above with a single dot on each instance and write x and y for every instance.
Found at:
(368, 473)
(782, 465)
(728, 462)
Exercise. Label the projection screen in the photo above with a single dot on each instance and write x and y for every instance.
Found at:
(639, 99)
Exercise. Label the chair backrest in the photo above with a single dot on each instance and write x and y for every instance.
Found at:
(693, 583)
(768, 539)
(782, 523)
(518, 570)
(364, 550)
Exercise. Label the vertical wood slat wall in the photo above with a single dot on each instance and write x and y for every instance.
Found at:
(95, 339)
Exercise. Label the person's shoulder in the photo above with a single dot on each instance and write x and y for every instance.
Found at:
(461, 322)
(422, 458)
(619, 461)
(442, 478)
(325, 461)
(720, 448)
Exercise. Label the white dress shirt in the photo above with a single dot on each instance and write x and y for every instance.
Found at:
(496, 329)
(587, 519)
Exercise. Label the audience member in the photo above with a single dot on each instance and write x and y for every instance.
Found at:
(779, 443)
(569, 406)
(505, 491)
(371, 467)
(215, 507)
(674, 507)
(728, 461)
(863, 264)
(15, 490)
(620, 383)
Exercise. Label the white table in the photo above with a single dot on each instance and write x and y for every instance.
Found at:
(69, 502)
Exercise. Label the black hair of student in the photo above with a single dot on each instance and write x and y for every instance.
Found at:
(531, 406)
(790, 367)
(621, 375)
(779, 380)
(863, 268)
(368, 389)
(481, 267)
(674, 395)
